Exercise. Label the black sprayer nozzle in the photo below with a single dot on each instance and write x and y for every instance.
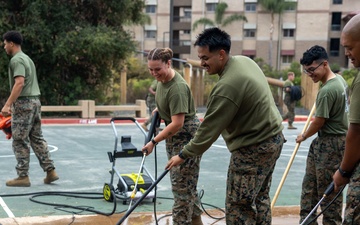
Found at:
(329, 189)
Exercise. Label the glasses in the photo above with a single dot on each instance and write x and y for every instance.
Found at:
(312, 70)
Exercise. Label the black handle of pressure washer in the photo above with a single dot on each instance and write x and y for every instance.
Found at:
(122, 118)
(329, 189)
(142, 197)
(155, 122)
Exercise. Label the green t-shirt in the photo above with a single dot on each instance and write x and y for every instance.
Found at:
(331, 104)
(174, 97)
(241, 108)
(21, 65)
(354, 115)
(151, 97)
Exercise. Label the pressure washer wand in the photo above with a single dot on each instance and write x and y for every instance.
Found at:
(142, 197)
(137, 179)
(327, 192)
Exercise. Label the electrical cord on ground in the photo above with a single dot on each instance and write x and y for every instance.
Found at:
(328, 205)
(201, 194)
(67, 194)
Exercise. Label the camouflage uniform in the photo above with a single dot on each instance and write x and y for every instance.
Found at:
(323, 160)
(184, 177)
(352, 212)
(290, 115)
(248, 182)
(26, 132)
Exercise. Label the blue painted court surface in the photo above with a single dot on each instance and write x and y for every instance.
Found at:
(81, 160)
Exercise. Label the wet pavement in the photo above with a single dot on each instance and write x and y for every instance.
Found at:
(80, 155)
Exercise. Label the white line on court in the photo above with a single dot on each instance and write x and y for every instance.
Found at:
(53, 149)
(6, 208)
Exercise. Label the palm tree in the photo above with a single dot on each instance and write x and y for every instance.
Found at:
(219, 21)
(274, 7)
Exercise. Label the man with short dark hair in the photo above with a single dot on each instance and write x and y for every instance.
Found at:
(240, 108)
(327, 149)
(24, 106)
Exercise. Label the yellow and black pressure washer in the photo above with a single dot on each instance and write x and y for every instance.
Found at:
(129, 185)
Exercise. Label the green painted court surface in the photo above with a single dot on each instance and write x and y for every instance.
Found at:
(81, 160)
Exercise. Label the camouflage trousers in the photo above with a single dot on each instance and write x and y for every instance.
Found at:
(248, 182)
(26, 132)
(290, 115)
(184, 177)
(324, 157)
(352, 210)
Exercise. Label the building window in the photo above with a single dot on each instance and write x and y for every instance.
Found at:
(150, 34)
(336, 21)
(287, 59)
(250, 7)
(337, 2)
(334, 46)
(289, 32)
(150, 9)
(249, 32)
(290, 7)
(187, 12)
(210, 7)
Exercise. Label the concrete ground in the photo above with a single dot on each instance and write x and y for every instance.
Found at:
(79, 149)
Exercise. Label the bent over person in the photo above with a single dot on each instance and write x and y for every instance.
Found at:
(176, 107)
(240, 108)
(24, 106)
(327, 149)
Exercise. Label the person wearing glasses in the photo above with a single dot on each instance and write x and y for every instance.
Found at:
(290, 104)
(349, 169)
(327, 149)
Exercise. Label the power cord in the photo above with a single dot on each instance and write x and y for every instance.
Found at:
(62, 207)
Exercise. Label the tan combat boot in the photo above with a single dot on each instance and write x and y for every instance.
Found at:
(51, 176)
(19, 182)
(291, 127)
(196, 220)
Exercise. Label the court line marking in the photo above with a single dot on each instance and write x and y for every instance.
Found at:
(6, 208)
(54, 149)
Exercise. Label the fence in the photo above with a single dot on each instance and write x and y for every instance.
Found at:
(87, 108)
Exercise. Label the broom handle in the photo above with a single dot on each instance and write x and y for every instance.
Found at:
(291, 159)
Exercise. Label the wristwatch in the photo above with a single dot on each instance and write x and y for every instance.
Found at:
(181, 155)
(154, 142)
(344, 173)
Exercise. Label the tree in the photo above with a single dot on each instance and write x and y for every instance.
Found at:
(76, 44)
(274, 7)
(220, 20)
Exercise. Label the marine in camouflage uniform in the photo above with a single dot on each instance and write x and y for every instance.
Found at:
(241, 109)
(327, 149)
(290, 104)
(25, 107)
(349, 170)
(176, 108)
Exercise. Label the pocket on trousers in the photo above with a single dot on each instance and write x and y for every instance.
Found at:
(242, 186)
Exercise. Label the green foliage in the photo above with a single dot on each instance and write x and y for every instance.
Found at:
(77, 45)
(349, 75)
(220, 20)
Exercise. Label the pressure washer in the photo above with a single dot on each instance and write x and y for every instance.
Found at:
(130, 185)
